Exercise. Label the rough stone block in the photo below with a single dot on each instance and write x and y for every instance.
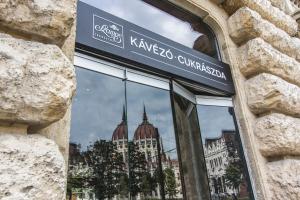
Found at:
(257, 56)
(32, 168)
(51, 19)
(267, 11)
(37, 82)
(278, 135)
(285, 5)
(246, 24)
(284, 179)
(266, 92)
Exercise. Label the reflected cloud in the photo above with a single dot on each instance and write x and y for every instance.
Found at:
(139, 12)
(96, 100)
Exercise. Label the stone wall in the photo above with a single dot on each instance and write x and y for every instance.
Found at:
(268, 49)
(37, 83)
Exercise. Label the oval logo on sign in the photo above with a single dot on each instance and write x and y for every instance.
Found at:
(108, 31)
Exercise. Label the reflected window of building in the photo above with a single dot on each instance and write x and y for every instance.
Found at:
(227, 172)
(165, 19)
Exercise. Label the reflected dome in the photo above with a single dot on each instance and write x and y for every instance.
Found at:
(121, 131)
(145, 129)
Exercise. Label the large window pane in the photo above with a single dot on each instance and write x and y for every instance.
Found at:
(97, 166)
(154, 165)
(112, 160)
(226, 170)
(193, 163)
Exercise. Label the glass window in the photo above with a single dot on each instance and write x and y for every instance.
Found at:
(122, 143)
(150, 122)
(191, 151)
(97, 168)
(164, 19)
(220, 139)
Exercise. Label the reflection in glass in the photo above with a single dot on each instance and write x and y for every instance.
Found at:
(111, 157)
(153, 161)
(97, 169)
(163, 18)
(193, 163)
(226, 170)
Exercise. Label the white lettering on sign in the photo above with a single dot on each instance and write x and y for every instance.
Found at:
(204, 68)
(167, 53)
(152, 48)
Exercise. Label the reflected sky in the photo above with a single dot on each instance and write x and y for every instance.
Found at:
(149, 17)
(159, 112)
(214, 119)
(97, 107)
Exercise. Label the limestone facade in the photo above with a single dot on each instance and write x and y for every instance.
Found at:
(33, 169)
(268, 48)
(258, 38)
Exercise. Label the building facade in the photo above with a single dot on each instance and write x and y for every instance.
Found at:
(220, 153)
(238, 138)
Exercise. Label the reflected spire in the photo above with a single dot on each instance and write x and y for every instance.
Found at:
(162, 146)
(121, 130)
(145, 118)
(124, 115)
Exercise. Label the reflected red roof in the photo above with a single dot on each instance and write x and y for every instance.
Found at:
(121, 131)
(145, 129)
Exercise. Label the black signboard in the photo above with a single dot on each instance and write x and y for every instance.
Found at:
(101, 31)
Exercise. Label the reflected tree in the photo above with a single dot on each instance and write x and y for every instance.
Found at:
(233, 175)
(137, 168)
(78, 173)
(170, 183)
(123, 186)
(147, 184)
(107, 169)
(234, 170)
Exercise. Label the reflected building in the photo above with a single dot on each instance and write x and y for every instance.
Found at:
(148, 142)
(120, 138)
(78, 172)
(222, 160)
(142, 162)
